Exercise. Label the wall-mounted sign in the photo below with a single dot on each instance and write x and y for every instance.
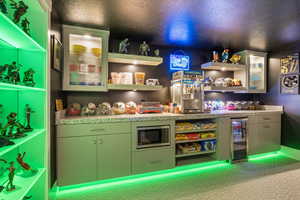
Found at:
(289, 64)
(179, 62)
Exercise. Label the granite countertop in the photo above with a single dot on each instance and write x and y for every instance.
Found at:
(162, 116)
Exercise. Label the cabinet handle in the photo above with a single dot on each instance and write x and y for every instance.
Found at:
(96, 130)
(155, 161)
(266, 118)
(95, 141)
(100, 141)
(266, 126)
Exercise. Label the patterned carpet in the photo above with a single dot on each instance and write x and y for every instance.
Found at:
(275, 178)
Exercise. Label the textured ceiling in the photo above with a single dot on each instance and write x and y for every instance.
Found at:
(242, 24)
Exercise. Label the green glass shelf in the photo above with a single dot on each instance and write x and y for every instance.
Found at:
(23, 186)
(15, 36)
(20, 141)
(7, 86)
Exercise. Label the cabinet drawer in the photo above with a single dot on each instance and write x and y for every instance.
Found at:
(93, 129)
(268, 117)
(152, 160)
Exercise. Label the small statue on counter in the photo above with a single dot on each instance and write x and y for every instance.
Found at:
(28, 78)
(25, 26)
(28, 112)
(156, 52)
(11, 175)
(215, 56)
(3, 7)
(235, 59)
(225, 56)
(20, 10)
(123, 46)
(11, 125)
(144, 49)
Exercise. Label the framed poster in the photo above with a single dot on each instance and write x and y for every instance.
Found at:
(56, 53)
(85, 59)
(289, 64)
(289, 84)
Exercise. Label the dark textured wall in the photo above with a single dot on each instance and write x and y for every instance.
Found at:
(291, 103)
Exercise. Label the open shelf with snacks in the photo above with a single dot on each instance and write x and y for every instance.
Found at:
(223, 66)
(23, 104)
(195, 138)
(134, 59)
(134, 87)
(224, 89)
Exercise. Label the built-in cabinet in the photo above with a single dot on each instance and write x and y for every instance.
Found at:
(92, 152)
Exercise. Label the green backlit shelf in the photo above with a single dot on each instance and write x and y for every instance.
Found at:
(198, 140)
(15, 36)
(23, 186)
(196, 130)
(8, 86)
(20, 141)
(194, 154)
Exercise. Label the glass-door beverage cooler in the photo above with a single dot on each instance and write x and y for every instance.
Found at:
(239, 144)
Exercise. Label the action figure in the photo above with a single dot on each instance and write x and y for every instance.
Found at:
(123, 46)
(13, 123)
(215, 56)
(28, 77)
(1, 115)
(3, 7)
(156, 52)
(25, 26)
(235, 59)
(13, 73)
(28, 112)
(10, 185)
(144, 49)
(20, 10)
(225, 55)
(2, 71)
(24, 165)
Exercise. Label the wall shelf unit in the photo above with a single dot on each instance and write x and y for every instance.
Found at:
(134, 87)
(222, 66)
(29, 52)
(134, 59)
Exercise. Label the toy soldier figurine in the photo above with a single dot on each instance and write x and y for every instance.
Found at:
(11, 175)
(225, 56)
(11, 124)
(20, 10)
(28, 112)
(25, 26)
(28, 77)
(123, 46)
(3, 7)
(144, 49)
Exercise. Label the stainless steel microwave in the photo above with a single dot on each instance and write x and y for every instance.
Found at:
(153, 136)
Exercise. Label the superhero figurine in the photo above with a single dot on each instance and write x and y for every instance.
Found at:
(123, 46)
(225, 56)
(11, 175)
(25, 26)
(20, 10)
(28, 77)
(28, 112)
(12, 124)
(3, 7)
(144, 49)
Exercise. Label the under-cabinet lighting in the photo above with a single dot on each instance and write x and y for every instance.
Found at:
(135, 62)
(264, 156)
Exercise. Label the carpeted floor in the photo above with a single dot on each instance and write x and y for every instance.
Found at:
(275, 178)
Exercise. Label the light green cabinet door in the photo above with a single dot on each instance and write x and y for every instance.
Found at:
(76, 160)
(224, 139)
(113, 156)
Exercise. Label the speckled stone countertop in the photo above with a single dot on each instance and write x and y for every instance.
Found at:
(162, 116)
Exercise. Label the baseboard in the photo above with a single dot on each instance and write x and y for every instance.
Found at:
(53, 191)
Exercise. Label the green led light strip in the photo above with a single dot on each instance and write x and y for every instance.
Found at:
(264, 156)
(183, 170)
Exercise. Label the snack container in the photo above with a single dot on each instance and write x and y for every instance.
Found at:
(139, 78)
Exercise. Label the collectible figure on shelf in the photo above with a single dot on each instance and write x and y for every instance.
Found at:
(5, 142)
(235, 59)
(13, 73)
(20, 10)
(225, 55)
(1, 115)
(28, 112)
(144, 49)
(215, 56)
(123, 46)
(2, 168)
(2, 72)
(27, 170)
(11, 175)
(28, 78)
(12, 124)
(3, 7)
(25, 26)
(156, 52)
